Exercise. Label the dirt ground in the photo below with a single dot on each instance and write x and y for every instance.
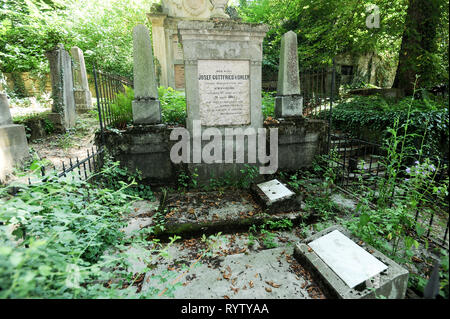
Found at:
(51, 151)
(73, 144)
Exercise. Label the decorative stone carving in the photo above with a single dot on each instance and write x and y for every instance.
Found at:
(194, 7)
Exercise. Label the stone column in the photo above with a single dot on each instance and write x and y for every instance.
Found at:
(146, 107)
(13, 141)
(288, 101)
(159, 44)
(63, 109)
(82, 95)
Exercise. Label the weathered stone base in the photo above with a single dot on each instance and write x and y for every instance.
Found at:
(299, 141)
(13, 148)
(289, 105)
(146, 111)
(148, 147)
(393, 282)
(83, 101)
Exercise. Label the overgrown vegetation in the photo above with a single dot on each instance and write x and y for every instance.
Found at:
(370, 117)
(62, 238)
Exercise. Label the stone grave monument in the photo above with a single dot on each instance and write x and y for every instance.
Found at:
(13, 141)
(288, 101)
(146, 107)
(222, 61)
(82, 95)
(63, 109)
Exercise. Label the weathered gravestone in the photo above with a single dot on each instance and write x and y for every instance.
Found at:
(13, 141)
(222, 60)
(146, 106)
(63, 108)
(82, 95)
(288, 101)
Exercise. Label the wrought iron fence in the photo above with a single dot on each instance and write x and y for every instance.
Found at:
(85, 167)
(318, 88)
(107, 86)
(360, 163)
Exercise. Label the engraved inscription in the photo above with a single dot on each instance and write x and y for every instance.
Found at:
(224, 92)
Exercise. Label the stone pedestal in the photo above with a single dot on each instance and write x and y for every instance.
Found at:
(288, 106)
(146, 111)
(13, 141)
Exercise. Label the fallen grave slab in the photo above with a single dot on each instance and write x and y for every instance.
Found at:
(275, 197)
(344, 269)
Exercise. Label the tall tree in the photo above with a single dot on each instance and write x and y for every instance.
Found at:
(418, 52)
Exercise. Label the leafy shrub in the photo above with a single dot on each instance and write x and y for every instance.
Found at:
(268, 104)
(121, 109)
(370, 117)
(173, 106)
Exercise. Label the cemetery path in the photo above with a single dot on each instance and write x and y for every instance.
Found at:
(73, 144)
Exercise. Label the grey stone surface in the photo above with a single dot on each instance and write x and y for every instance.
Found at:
(146, 111)
(62, 85)
(287, 106)
(350, 262)
(275, 191)
(299, 141)
(206, 282)
(5, 114)
(13, 148)
(391, 283)
(288, 72)
(148, 149)
(82, 95)
(146, 108)
(288, 102)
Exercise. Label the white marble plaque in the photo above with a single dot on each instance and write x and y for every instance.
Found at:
(349, 261)
(275, 190)
(224, 92)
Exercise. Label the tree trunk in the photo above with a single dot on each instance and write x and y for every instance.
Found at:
(418, 48)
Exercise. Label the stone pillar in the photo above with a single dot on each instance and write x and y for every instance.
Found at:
(146, 107)
(5, 114)
(288, 101)
(63, 109)
(13, 141)
(82, 95)
(159, 44)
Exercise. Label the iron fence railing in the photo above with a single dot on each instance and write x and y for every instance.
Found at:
(85, 167)
(107, 86)
(361, 163)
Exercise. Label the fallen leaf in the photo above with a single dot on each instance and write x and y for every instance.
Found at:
(226, 297)
(251, 284)
(268, 289)
(274, 285)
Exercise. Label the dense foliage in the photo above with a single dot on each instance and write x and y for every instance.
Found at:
(370, 117)
(326, 29)
(102, 29)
